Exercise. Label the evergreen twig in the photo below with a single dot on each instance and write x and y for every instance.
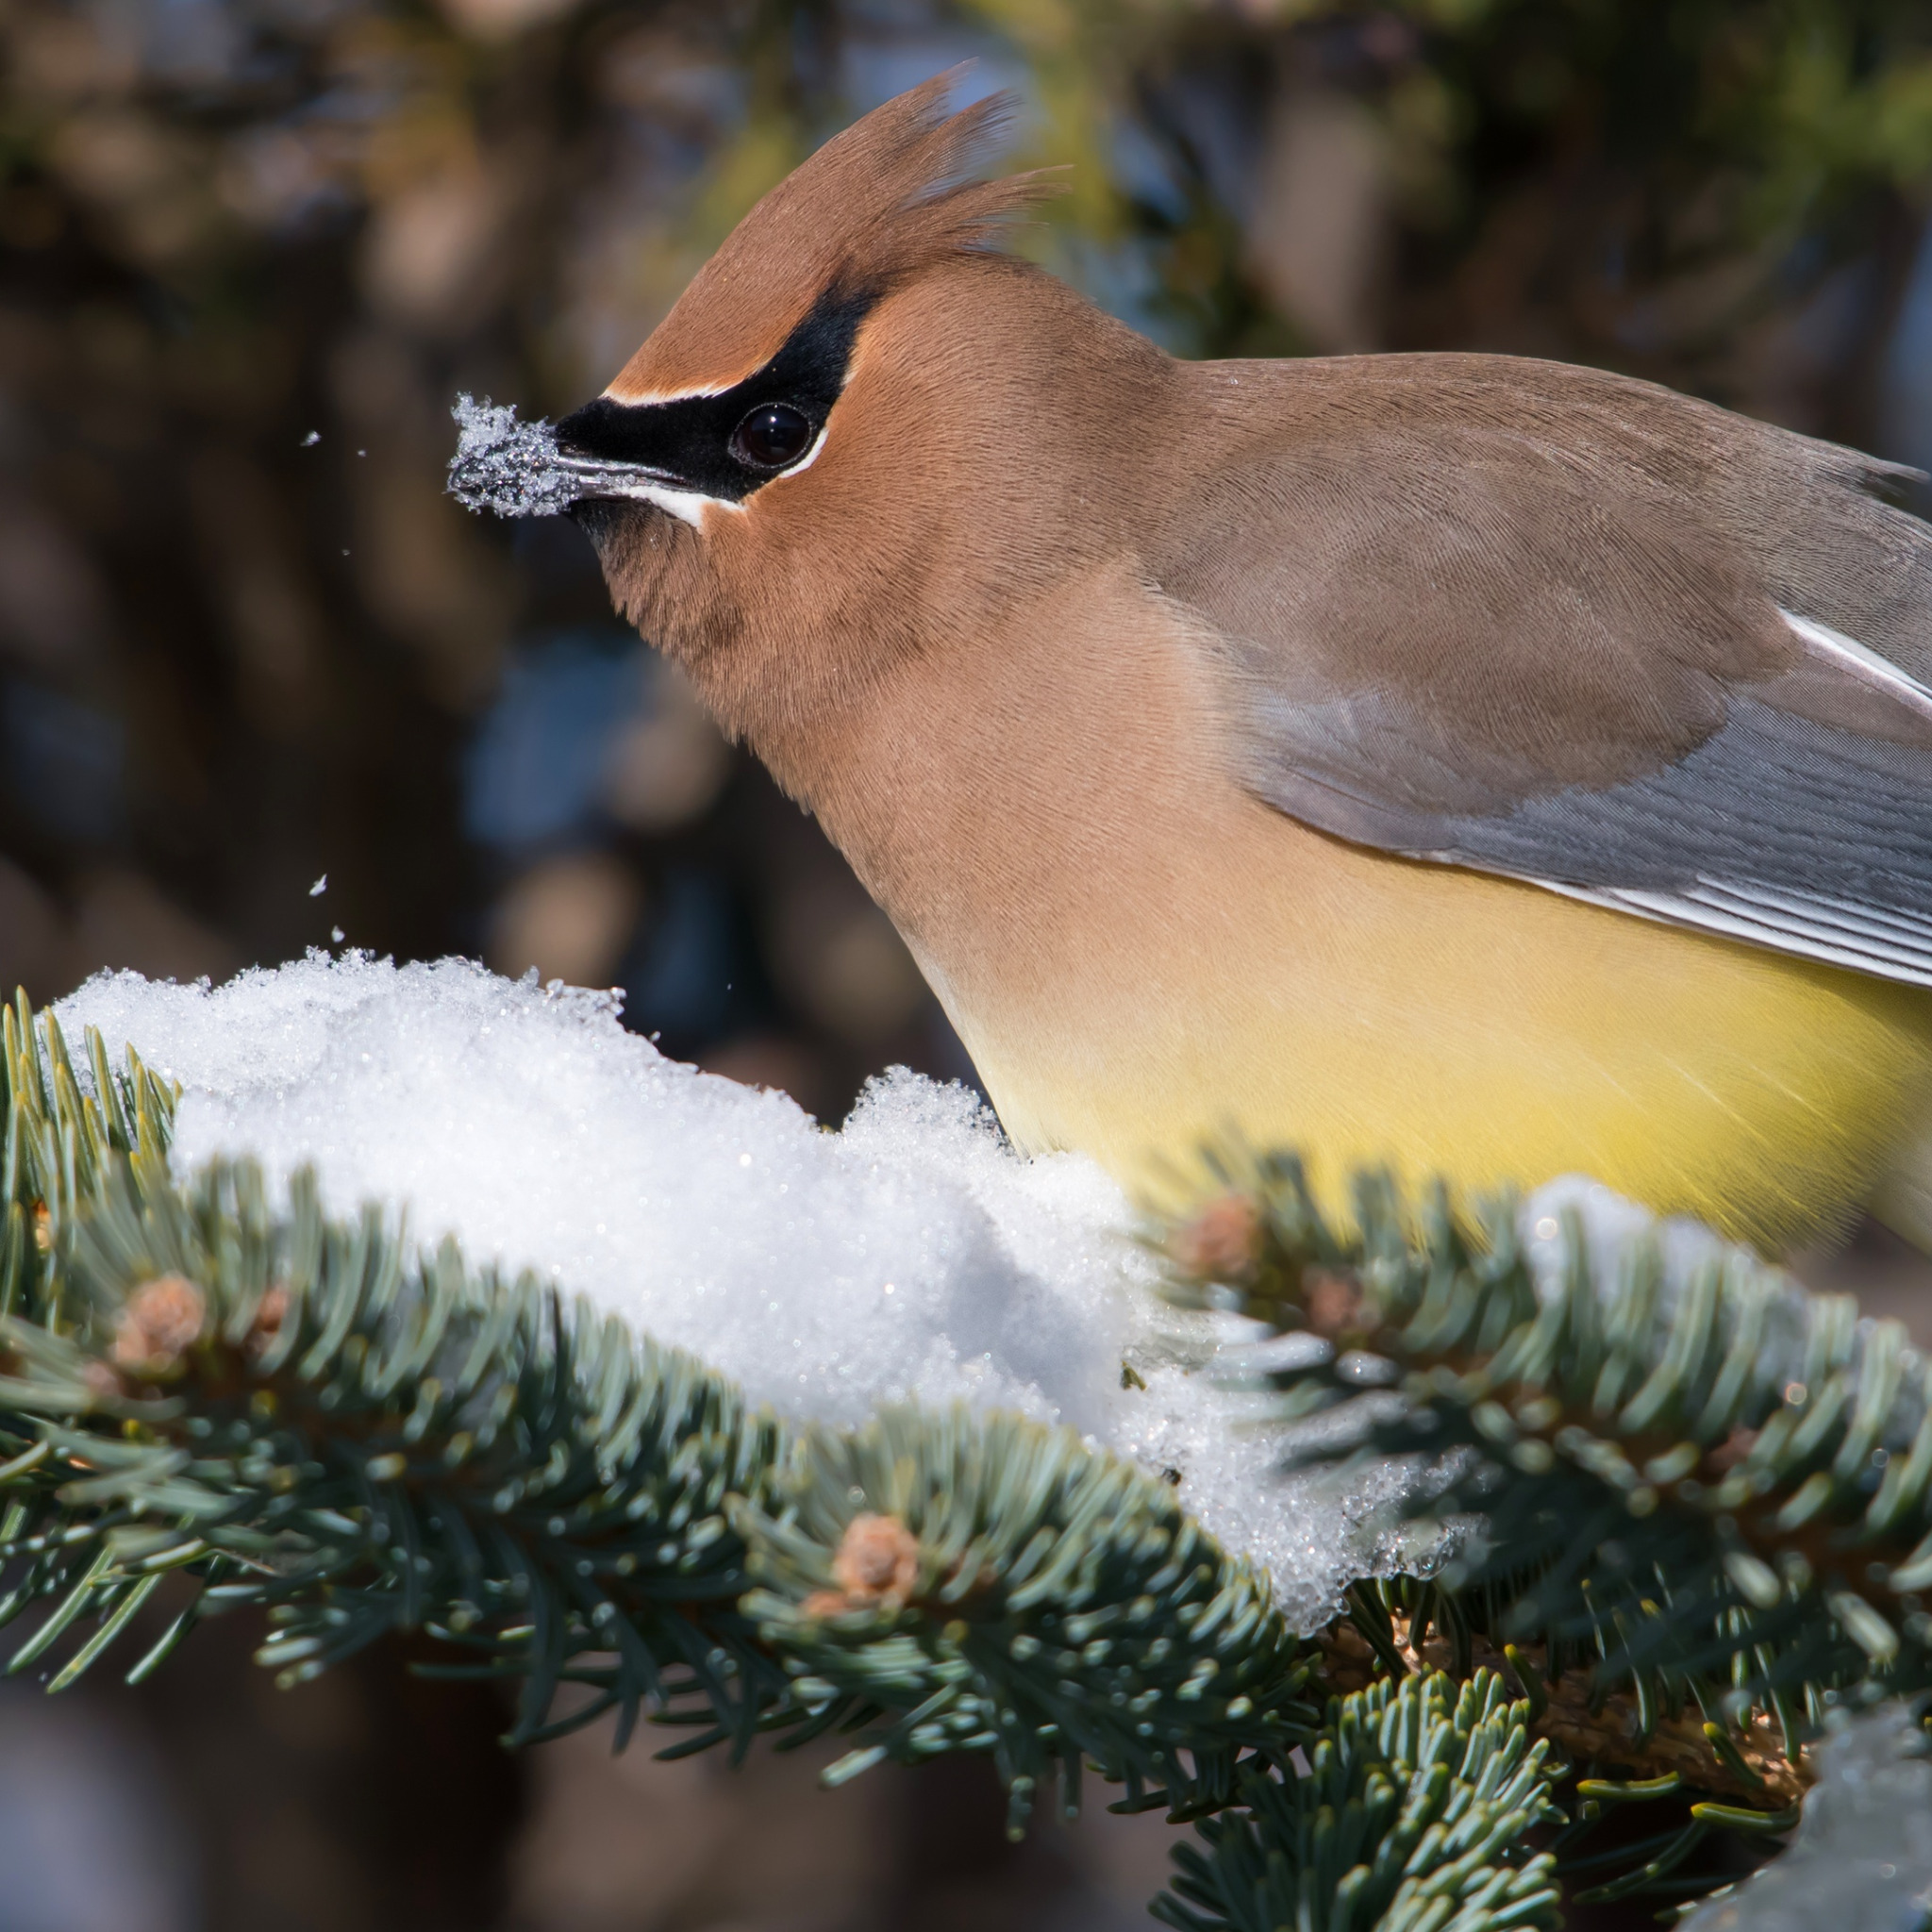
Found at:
(1707, 1513)
(1715, 1501)
(1411, 1818)
(1054, 1607)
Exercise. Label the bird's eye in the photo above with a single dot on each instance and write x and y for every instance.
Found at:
(772, 436)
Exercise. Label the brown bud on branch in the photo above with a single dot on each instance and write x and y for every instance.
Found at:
(162, 1322)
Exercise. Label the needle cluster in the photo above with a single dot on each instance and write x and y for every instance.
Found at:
(1712, 1491)
(1414, 1814)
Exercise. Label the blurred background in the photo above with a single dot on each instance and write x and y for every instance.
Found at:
(250, 250)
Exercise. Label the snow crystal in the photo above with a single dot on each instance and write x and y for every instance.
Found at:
(911, 1254)
(510, 467)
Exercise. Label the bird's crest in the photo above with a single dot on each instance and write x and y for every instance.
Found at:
(872, 207)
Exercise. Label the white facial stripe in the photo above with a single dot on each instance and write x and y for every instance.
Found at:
(651, 398)
(688, 506)
(1866, 664)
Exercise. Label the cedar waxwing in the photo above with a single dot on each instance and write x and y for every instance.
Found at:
(1484, 766)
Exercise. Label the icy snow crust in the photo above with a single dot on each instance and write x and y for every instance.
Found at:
(910, 1256)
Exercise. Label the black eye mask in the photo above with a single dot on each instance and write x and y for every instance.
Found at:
(726, 446)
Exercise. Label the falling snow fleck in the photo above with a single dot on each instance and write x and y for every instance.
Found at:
(321, 886)
(309, 440)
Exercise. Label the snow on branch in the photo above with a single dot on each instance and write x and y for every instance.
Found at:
(909, 1256)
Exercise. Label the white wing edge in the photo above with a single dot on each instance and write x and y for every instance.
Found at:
(1861, 661)
(1803, 927)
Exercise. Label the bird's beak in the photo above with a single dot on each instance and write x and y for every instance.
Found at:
(521, 469)
(603, 476)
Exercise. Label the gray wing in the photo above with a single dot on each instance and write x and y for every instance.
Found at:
(1538, 638)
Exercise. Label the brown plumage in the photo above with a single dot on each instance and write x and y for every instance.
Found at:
(1488, 765)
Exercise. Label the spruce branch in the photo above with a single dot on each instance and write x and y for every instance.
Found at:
(1753, 1762)
(1716, 1500)
(360, 1440)
(995, 1586)
(1412, 1817)
(315, 1418)
(59, 1146)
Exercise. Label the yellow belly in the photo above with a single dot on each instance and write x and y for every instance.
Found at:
(1367, 1011)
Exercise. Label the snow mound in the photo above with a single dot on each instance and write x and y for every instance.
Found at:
(910, 1256)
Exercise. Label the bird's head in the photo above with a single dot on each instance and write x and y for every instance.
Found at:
(859, 424)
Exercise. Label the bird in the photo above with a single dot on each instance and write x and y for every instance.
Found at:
(1460, 765)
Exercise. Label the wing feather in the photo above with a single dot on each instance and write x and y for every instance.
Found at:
(1778, 830)
(1533, 639)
